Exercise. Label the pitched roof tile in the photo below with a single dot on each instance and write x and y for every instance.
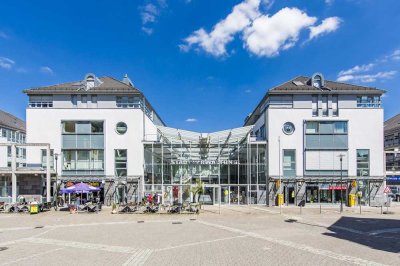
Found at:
(108, 85)
(10, 121)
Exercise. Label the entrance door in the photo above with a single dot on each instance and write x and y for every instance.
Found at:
(225, 195)
(291, 195)
(210, 195)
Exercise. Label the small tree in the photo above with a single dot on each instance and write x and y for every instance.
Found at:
(198, 190)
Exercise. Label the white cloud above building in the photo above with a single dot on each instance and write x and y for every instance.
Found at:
(6, 63)
(46, 70)
(263, 34)
(380, 69)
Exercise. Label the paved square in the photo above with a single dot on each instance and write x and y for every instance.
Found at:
(240, 235)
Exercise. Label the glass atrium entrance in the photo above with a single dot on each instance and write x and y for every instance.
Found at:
(227, 164)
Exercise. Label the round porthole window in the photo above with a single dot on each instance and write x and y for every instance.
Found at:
(288, 128)
(121, 128)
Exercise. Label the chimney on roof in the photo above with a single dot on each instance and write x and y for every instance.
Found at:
(127, 81)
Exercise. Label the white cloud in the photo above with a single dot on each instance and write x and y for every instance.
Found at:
(147, 30)
(329, 2)
(46, 70)
(395, 55)
(362, 73)
(223, 32)
(191, 120)
(262, 34)
(366, 78)
(150, 13)
(356, 69)
(6, 63)
(328, 25)
(268, 35)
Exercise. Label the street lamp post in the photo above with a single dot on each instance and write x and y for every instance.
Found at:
(341, 182)
(280, 178)
(56, 190)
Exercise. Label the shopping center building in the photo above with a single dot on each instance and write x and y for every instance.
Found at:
(324, 141)
(312, 140)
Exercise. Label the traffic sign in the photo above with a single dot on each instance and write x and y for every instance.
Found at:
(387, 190)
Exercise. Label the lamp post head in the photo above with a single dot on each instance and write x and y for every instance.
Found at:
(341, 156)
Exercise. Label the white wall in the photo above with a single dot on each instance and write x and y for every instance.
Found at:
(365, 131)
(44, 126)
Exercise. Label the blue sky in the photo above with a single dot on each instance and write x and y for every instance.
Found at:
(203, 64)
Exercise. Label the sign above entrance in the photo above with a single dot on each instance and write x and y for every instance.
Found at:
(203, 162)
(340, 187)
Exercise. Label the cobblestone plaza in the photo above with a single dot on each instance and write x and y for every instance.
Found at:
(240, 235)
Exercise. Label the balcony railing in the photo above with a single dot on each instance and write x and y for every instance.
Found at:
(83, 141)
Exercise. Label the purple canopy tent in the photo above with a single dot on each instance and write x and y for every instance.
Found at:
(80, 188)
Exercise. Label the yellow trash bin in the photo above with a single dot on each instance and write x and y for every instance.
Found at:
(352, 200)
(34, 207)
(280, 200)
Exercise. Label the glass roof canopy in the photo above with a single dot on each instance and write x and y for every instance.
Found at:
(228, 136)
(192, 146)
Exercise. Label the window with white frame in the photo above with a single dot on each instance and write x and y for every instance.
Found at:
(41, 101)
(121, 163)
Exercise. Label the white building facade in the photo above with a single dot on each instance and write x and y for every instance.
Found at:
(95, 128)
(12, 152)
(309, 125)
(309, 139)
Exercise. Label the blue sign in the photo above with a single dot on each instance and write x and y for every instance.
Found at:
(393, 178)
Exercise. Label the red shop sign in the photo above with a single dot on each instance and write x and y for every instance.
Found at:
(342, 187)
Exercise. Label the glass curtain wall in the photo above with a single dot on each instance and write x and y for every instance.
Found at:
(231, 172)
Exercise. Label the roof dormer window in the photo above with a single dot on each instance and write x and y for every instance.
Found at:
(317, 81)
(89, 82)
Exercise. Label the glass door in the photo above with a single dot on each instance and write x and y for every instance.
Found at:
(224, 195)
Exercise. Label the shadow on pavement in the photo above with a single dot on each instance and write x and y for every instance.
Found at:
(381, 234)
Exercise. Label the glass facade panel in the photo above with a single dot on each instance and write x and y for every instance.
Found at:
(82, 147)
(121, 161)
(44, 158)
(289, 163)
(233, 166)
(362, 162)
(326, 135)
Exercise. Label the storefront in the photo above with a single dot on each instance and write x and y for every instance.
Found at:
(230, 167)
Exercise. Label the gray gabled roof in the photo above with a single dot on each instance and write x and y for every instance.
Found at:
(108, 85)
(302, 84)
(392, 124)
(9, 121)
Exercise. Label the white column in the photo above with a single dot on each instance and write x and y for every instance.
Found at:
(13, 174)
(48, 177)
